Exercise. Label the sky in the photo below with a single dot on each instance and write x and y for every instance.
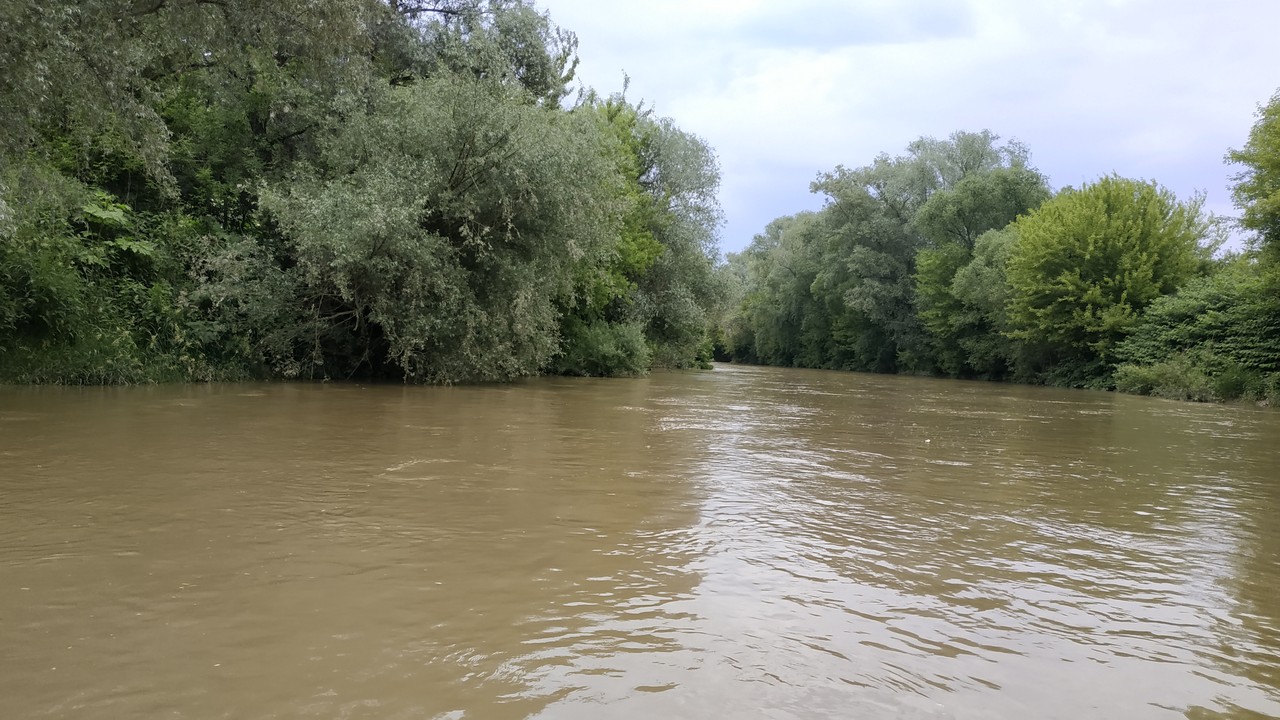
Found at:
(784, 90)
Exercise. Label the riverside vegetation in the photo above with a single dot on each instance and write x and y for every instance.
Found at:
(201, 190)
(956, 259)
(385, 189)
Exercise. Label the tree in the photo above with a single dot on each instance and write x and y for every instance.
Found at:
(1257, 190)
(97, 72)
(602, 334)
(675, 299)
(498, 40)
(436, 236)
(1217, 338)
(980, 201)
(944, 316)
(776, 272)
(1227, 314)
(866, 263)
(954, 219)
(885, 217)
(651, 297)
(1089, 261)
(982, 288)
(372, 187)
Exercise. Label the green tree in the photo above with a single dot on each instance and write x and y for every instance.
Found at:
(1089, 261)
(982, 288)
(866, 259)
(656, 280)
(1257, 189)
(947, 318)
(930, 204)
(776, 273)
(436, 238)
(1228, 313)
(953, 219)
(981, 201)
(97, 72)
(498, 40)
(602, 334)
(374, 187)
(677, 298)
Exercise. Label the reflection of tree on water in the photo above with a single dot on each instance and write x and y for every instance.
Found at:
(1216, 467)
(1248, 631)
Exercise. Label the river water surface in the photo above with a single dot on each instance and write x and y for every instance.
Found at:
(747, 542)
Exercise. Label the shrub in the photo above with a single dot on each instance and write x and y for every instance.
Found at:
(1176, 379)
(1199, 376)
(603, 349)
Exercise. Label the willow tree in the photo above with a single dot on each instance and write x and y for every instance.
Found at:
(435, 237)
(882, 216)
(675, 299)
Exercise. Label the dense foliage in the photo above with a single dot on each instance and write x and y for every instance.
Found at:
(1257, 190)
(1087, 263)
(360, 188)
(194, 190)
(956, 259)
(870, 281)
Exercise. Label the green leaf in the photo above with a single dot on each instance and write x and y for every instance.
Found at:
(137, 247)
(113, 215)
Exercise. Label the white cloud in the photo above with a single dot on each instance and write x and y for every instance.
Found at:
(1144, 88)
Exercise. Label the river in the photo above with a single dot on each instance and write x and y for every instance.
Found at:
(746, 542)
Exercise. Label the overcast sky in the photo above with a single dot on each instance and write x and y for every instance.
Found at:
(784, 90)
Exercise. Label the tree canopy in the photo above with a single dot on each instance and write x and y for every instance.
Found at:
(957, 259)
(1089, 261)
(865, 284)
(361, 188)
(196, 190)
(1257, 189)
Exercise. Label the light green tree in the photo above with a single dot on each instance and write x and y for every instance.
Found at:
(1089, 261)
(1257, 190)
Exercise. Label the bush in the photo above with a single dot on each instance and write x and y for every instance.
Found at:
(603, 349)
(1199, 376)
(1232, 314)
(1271, 389)
(1235, 383)
(1175, 379)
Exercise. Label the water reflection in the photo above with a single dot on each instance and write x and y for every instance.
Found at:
(748, 542)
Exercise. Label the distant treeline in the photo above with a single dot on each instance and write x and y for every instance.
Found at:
(197, 190)
(956, 259)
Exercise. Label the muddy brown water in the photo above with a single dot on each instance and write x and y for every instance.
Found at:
(746, 542)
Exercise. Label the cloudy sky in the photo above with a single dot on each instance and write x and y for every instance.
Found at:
(784, 90)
